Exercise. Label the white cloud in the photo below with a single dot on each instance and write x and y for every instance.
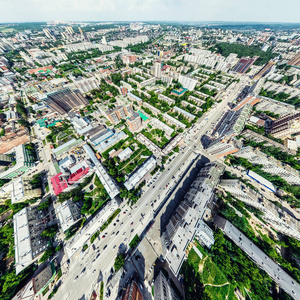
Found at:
(183, 10)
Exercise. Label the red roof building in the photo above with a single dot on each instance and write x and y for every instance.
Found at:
(59, 184)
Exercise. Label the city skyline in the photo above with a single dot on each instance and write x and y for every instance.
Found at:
(149, 10)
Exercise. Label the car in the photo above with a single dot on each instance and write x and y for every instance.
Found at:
(103, 236)
(115, 224)
(117, 232)
(104, 247)
(114, 247)
(124, 212)
(132, 230)
(94, 271)
(82, 272)
(124, 233)
(75, 278)
(97, 255)
(131, 223)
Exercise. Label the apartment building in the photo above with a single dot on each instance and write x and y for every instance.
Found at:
(270, 164)
(166, 99)
(172, 121)
(285, 126)
(134, 122)
(233, 122)
(182, 226)
(190, 117)
(188, 82)
(223, 146)
(137, 176)
(155, 111)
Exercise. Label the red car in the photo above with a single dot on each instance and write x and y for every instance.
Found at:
(103, 236)
(131, 223)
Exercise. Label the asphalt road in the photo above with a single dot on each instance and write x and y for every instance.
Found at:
(134, 220)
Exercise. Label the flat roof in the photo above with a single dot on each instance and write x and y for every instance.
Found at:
(262, 181)
(66, 146)
(138, 174)
(23, 251)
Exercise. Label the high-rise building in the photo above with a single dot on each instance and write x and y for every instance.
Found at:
(265, 70)
(187, 82)
(134, 122)
(286, 126)
(157, 69)
(49, 34)
(83, 35)
(163, 289)
(295, 61)
(65, 100)
(132, 291)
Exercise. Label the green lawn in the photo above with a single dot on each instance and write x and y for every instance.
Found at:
(217, 293)
(211, 273)
(194, 259)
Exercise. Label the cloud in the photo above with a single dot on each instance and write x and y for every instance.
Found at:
(181, 10)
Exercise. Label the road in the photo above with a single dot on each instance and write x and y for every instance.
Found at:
(134, 220)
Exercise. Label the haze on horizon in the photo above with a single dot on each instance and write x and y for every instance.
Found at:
(150, 10)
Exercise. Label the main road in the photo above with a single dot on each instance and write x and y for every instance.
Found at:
(81, 276)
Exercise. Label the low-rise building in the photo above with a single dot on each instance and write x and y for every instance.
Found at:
(190, 117)
(137, 176)
(68, 213)
(125, 154)
(172, 121)
(24, 161)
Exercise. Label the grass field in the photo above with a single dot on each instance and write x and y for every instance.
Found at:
(217, 293)
(211, 274)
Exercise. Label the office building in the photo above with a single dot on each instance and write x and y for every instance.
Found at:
(285, 126)
(188, 82)
(182, 226)
(134, 122)
(5, 160)
(244, 64)
(29, 223)
(163, 289)
(85, 85)
(68, 213)
(63, 101)
(125, 154)
(24, 161)
(265, 70)
(295, 61)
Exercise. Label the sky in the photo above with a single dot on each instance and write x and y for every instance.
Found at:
(150, 10)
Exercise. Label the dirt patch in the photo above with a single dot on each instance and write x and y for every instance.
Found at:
(8, 145)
